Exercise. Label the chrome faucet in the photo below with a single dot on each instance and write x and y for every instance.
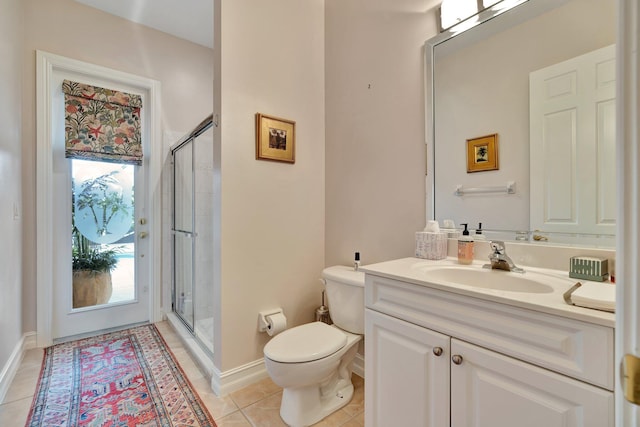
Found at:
(499, 258)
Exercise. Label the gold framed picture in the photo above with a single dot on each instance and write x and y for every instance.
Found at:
(275, 139)
(482, 153)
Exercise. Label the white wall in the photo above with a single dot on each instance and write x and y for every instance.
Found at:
(10, 177)
(68, 28)
(376, 153)
(272, 214)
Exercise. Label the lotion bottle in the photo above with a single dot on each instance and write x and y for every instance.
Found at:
(465, 247)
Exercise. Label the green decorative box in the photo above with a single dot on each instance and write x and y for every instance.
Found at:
(589, 268)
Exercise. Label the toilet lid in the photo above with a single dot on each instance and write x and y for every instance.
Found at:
(305, 343)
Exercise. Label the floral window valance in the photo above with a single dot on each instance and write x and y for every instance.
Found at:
(102, 124)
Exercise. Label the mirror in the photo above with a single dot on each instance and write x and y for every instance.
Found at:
(478, 85)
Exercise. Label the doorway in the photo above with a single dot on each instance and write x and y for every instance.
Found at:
(62, 183)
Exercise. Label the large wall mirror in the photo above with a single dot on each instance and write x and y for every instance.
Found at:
(550, 174)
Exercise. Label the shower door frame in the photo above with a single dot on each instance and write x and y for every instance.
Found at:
(190, 138)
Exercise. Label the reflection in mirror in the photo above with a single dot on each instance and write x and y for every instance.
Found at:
(481, 86)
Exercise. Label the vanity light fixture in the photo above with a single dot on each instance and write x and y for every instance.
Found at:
(504, 5)
(453, 12)
(460, 15)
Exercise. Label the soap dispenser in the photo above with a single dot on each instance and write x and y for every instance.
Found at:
(479, 235)
(465, 247)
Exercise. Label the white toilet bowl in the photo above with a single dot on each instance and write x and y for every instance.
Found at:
(313, 362)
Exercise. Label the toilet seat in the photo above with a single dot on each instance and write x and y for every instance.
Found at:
(305, 343)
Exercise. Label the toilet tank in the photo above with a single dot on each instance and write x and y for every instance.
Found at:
(345, 297)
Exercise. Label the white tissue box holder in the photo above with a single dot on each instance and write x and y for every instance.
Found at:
(431, 245)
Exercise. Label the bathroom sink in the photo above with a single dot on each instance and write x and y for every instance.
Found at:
(487, 279)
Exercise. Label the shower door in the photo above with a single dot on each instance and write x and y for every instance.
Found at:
(183, 233)
(193, 233)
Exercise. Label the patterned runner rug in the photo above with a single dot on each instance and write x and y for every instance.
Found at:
(126, 378)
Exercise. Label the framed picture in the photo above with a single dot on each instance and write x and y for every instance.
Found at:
(275, 139)
(482, 153)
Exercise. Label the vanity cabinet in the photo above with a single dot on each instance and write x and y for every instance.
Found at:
(435, 359)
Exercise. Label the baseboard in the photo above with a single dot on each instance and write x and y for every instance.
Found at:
(358, 365)
(8, 373)
(234, 379)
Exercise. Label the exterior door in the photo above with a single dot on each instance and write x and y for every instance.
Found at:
(105, 206)
(87, 301)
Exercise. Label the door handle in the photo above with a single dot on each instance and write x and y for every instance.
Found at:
(143, 234)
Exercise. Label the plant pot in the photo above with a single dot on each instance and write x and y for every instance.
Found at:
(91, 288)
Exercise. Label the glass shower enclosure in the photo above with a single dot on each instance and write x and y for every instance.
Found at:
(192, 232)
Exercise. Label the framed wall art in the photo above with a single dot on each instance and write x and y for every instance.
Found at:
(275, 139)
(482, 153)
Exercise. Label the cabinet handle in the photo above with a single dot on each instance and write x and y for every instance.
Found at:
(456, 359)
(437, 351)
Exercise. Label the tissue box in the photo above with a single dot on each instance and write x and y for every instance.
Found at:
(431, 245)
(589, 268)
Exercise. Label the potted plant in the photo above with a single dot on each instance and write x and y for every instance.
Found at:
(99, 201)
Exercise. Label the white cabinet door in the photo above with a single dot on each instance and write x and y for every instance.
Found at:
(492, 390)
(407, 372)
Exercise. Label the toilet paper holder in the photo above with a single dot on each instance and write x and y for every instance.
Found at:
(262, 318)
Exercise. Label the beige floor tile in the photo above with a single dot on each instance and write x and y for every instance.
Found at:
(170, 336)
(336, 419)
(345, 415)
(174, 343)
(357, 421)
(357, 381)
(32, 359)
(15, 413)
(356, 405)
(26, 379)
(218, 406)
(235, 419)
(255, 392)
(187, 364)
(265, 413)
(359, 418)
(23, 385)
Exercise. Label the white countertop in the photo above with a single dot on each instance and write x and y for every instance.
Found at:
(415, 270)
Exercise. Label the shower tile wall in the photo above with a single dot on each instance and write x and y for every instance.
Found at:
(203, 167)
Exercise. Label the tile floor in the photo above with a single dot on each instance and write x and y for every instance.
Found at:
(257, 405)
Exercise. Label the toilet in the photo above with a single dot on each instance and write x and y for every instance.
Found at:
(313, 362)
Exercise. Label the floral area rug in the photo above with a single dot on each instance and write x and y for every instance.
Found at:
(126, 378)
